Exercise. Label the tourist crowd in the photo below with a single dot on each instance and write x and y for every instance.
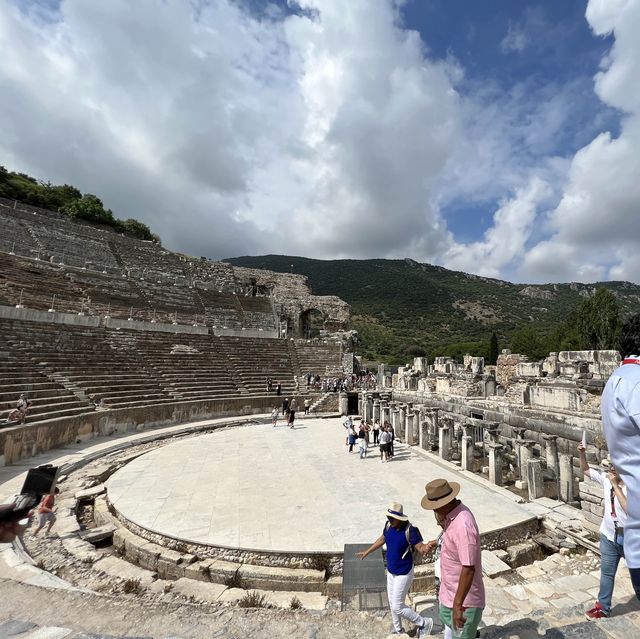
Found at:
(366, 434)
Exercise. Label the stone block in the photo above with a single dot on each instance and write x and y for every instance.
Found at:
(148, 554)
(530, 572)
(94, 535)
(124, 541)
(308, 600)
(521, 484)
(199, 570)
(493, 566)
(333, 587)
(232, 595)
(90, 493)
(424, 578)
(198, 590)
(115, 567)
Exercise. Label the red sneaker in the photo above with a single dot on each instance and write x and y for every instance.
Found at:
(596, 612)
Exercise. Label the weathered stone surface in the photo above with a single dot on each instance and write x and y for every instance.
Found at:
(90, 493)
(124, 570)
(94, 535)
(198, 590)
(492, 566)
(15, 627)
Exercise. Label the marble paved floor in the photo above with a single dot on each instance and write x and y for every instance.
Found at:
(290, 490)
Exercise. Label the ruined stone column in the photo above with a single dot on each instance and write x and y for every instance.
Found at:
(423, 435)
(525, 453)
(343, 403)
(414, 428)
(394, 412)
(467, 445)
(376, 410)
(433, 426)
(495, 464)
(444, 442)
(401, 422)
(566, 477)
(366, 415)
(493, 430)
(384, 411)
(551, 450)
(535, 480)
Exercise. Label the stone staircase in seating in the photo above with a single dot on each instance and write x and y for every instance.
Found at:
(319, 358)
(253, 359)
(186, 367)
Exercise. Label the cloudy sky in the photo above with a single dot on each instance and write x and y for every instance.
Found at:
(500, 138)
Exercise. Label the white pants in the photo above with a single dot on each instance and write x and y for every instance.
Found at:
(397, 590)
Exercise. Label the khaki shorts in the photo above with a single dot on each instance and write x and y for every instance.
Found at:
(44, 518)
(473, 616)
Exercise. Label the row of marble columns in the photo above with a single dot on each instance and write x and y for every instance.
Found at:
(414, 425)
(422, 426)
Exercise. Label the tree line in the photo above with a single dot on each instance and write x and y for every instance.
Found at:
(594, 325)
(70, 201)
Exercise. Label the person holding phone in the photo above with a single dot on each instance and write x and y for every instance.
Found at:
(46, 514)
(611, 531)
(10, 527)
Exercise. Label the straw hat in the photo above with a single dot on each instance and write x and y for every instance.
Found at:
(439, 493)
(395, 510)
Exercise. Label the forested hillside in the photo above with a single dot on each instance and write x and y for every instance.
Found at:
(402, 308)
(68, 200)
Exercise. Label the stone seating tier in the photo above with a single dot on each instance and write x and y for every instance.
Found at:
(96, 293)
(15, 238)
(319, 359)
(47, 397)
(64, 368)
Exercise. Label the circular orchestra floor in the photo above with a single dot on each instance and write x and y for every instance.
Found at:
(272, 489)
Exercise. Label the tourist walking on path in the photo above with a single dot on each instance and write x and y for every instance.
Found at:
(307, 405)
(351, 437)
(611, 532)
(401, 539)
(362, 440)
(385, 439)
(285, 406)
(390, 444)
(620, 406)
(274, 416)
(346, 424)
(46, 514)
(292, 411)
(376, 431)
(462, 596)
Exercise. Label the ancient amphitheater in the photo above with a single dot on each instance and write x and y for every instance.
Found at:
(184, 513)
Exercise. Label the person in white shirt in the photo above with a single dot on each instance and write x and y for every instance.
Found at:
(611, 532)
(620, 408)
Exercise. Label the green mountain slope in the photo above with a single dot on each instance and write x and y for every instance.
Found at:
(400, 304)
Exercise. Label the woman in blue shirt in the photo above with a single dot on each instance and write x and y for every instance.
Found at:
(401, 539)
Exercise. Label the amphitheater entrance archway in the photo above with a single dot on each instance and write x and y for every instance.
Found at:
(311, 323)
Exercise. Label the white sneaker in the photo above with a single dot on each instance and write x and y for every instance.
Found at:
(426, 628)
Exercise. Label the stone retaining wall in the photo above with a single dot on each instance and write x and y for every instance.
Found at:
(32, 315)
(161, 327)
(22, 442)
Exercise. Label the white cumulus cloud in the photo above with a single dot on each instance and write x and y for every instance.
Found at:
(595, 229)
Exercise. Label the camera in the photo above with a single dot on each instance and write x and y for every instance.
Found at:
(39, 481)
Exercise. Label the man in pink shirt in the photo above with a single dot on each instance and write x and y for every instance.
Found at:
(462, 598)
